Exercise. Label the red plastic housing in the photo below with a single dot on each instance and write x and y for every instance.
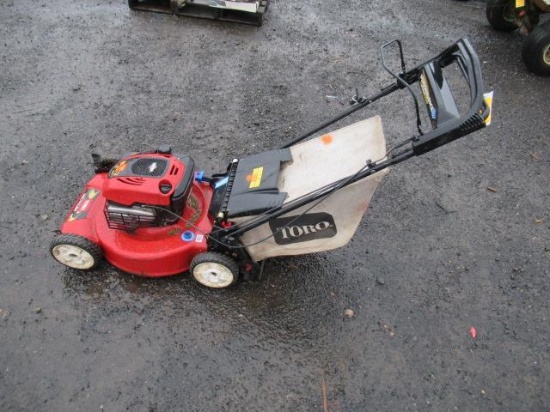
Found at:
(139, 178)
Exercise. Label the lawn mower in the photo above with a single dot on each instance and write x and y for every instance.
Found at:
(154, 214)
(237, 11)
(509, 15)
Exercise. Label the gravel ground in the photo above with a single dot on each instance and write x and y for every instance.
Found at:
(453, 239)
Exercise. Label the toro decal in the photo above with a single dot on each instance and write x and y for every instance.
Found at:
(295, 229)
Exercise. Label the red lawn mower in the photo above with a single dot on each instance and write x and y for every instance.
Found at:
(153, 214)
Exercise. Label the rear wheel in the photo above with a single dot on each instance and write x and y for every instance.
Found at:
(536, 50)
(500, 14)
(214, 270)
(76, 252)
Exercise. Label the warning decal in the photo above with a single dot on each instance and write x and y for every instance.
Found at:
(255, 178)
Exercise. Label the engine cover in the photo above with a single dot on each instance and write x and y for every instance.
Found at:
(156, 179)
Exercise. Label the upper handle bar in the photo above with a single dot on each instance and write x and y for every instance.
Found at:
(447, 123)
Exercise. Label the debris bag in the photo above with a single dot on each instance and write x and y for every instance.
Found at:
(328, 223)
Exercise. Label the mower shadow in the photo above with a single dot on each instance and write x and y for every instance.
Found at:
(294, 295)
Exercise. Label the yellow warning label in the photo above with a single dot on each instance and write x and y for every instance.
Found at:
(256, 177)
(520, 3)
(488, 98)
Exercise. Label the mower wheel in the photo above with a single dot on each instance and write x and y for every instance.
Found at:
(500, 14)
(76, 252)
(214, 270)
(536, 50)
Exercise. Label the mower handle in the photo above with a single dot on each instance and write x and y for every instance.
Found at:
(447, 124)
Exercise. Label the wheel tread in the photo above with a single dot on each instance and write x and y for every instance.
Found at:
(218, 258)
(494, 12)
(533, 49)
(78, 241)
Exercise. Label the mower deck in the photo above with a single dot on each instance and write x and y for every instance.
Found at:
(242, 11)
(146, 251)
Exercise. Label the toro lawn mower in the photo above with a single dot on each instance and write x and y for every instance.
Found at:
(237, 11)
(152, 214)
(509, 15)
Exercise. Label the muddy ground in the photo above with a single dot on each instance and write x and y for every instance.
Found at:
(454, 239)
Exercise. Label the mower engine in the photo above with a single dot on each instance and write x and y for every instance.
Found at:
(147, 190)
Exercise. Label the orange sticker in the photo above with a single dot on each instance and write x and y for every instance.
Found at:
(326, 139)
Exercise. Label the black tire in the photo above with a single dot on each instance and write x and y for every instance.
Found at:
(536, 50)
(133, 3)
(76, 252)
(214, 270)
(500, 14)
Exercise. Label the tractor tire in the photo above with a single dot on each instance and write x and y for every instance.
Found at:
(76, 252)
(500, 14)
(536, 50)
(214, 270)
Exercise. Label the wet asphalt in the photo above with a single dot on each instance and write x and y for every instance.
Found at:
(455, 239)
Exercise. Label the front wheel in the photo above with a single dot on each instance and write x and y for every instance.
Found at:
(214, 270)
(76, 252)
(536, 50)
(500, 14)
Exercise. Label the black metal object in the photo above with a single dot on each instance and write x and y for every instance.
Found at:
(400, 80)
(447, 125)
